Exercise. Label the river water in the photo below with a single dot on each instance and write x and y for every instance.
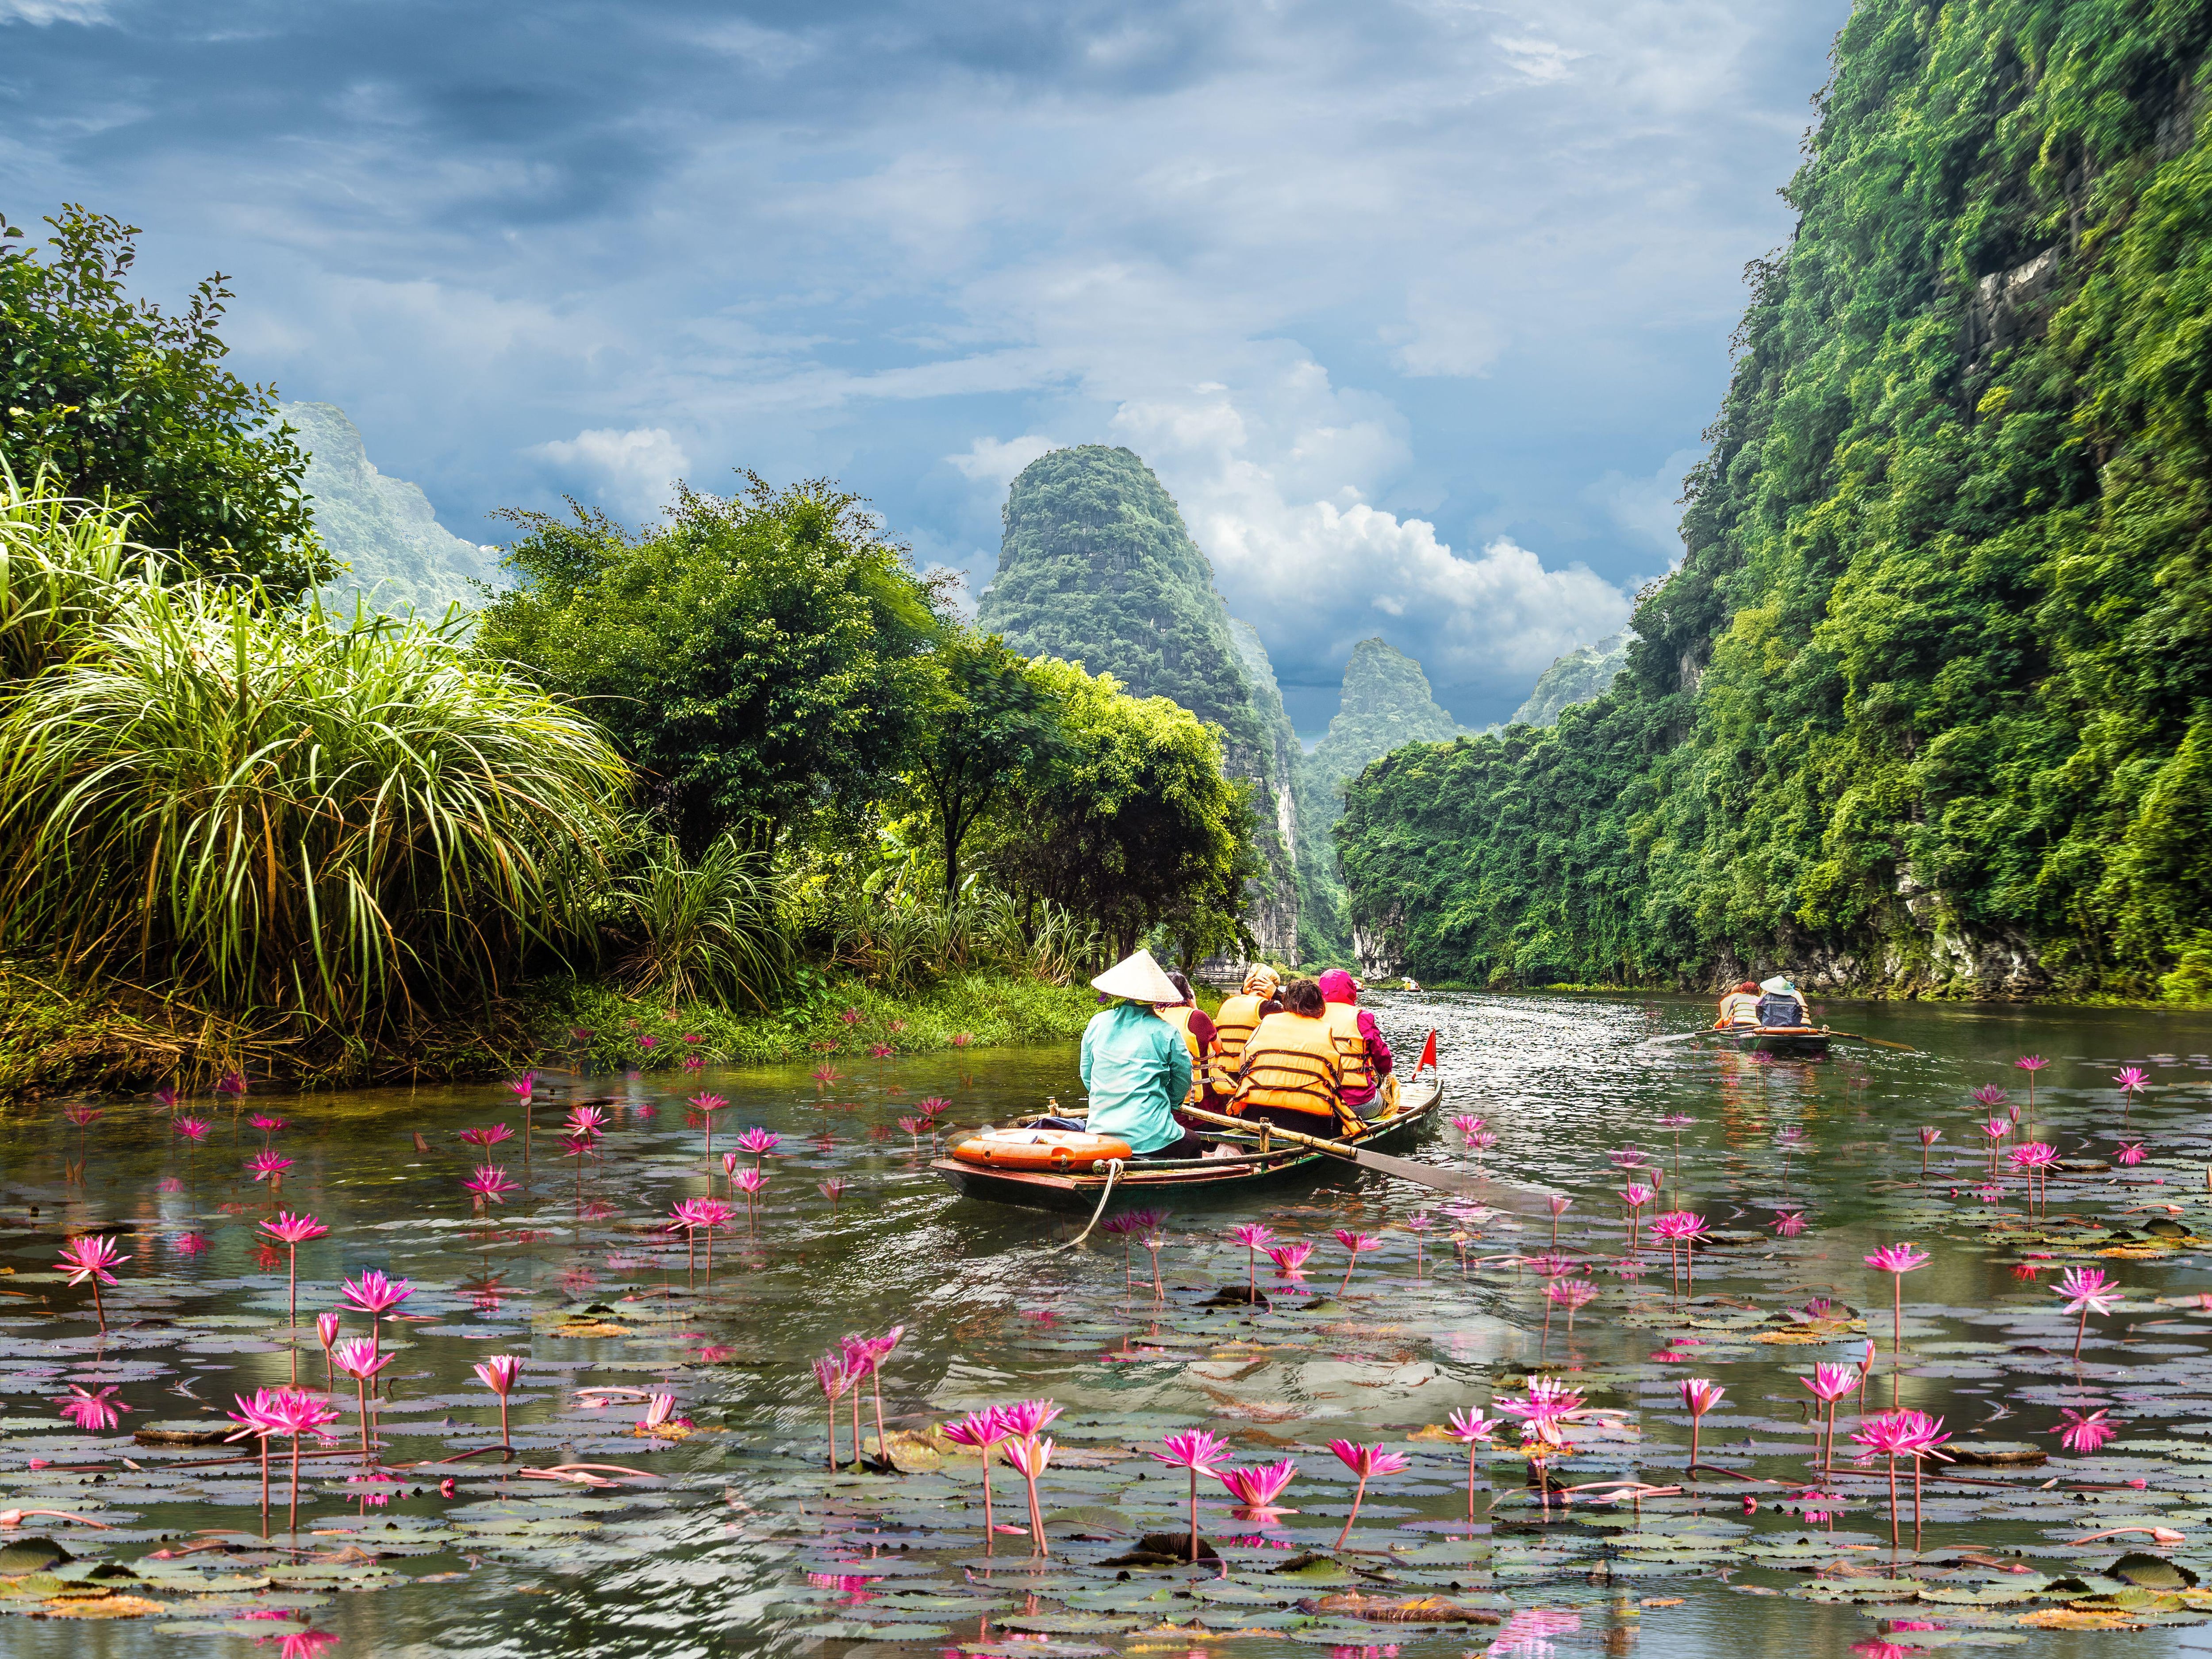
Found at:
(736, 1538)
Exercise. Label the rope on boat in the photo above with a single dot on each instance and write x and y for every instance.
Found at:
(1113, 1175)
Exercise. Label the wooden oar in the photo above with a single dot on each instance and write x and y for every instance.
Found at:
(1426, 1174)
(1684, 1037)
(1878, 1042)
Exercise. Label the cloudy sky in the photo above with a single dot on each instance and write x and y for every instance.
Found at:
(1417, 307)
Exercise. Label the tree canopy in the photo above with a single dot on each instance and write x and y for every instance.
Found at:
(126, 404)
(765, 658)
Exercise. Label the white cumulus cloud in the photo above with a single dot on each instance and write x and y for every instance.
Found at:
(42, 12)
(989, 461)
(633, 471)
(1280, 507)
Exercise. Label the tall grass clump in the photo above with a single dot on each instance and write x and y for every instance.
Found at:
(63, 565)
(274, 811)
(705, 930)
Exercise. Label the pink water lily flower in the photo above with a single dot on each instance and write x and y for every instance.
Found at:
(1358, 1244)
(1699, 1396)
(490, 1183)
(488, 1138)
(2087, 1434)
(95, 1413)
(1471, 1429)
(1200, 1452)
(293, 1232)
(1256, 1488)
(193, 1130)
(1365, 1462)
(1030, 1454)
(1898, 1260)
(92, 1259)
(358, 1357)
(269, 1166)
(1790, 1224)
(2085, 1291)
(1288, 1258)
(2130, 1154)
(981, 1432)
(1831, 1383)
(2131, 1079)
(1254, 1238)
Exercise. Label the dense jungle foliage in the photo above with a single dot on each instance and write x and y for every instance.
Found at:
(739, 769)
(1929, 704)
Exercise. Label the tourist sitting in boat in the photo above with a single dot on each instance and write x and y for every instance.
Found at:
(1360, 1045)
(1136, 1065)
(1779, 1003)
(1740, 1006)
(1291, 1074)
(1239, 1017)
(1199, 1036)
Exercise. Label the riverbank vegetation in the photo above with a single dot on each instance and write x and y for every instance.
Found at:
(1923, 709)
(740, 783)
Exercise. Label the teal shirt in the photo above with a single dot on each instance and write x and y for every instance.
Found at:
(1137, 1067)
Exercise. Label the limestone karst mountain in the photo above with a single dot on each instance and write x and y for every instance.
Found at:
(401, 557)
(1097, 567)
(1584, 674)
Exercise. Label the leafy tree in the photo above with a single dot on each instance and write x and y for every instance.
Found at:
(765, 658)
(127, 404)
(1129, 820)
(987, 724)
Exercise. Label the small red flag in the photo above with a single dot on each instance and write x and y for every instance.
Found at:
(1428, 1053)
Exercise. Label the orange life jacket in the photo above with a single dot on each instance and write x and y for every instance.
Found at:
(1292, 1061)
(1739, 1008)
(1234, 1025)
(1342, 1019)
(1179, 1017)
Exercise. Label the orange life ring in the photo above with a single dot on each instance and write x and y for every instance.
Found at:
(1066, 1151)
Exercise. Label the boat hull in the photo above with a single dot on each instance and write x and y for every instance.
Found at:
(1802, 1044)
(1181, 1182)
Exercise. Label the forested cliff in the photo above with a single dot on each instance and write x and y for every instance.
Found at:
(1928, 706)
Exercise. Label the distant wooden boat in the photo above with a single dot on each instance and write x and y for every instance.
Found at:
(1256, 1158)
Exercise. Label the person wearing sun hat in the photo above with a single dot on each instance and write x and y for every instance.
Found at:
(1781, 1003)
(1135, 1064)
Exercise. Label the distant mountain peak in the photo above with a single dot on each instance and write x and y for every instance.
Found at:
(1584, 674)
(401, 557)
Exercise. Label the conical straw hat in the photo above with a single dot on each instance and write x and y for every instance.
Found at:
(1140, 979)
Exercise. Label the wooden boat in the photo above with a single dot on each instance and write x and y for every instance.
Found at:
(1257, 1157)
(1800, 1042)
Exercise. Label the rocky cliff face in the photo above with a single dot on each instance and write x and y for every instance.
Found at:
(1097, 567)
(1584, 674)
(402, 557)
